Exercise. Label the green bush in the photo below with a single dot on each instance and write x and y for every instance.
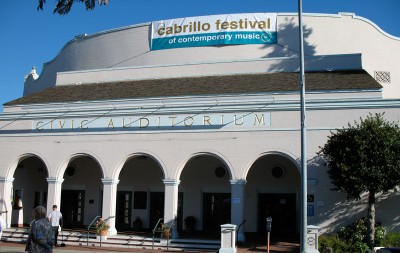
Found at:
(391, 240)
(353, 238)
(333, 242)
(356, 234)
(380, 235)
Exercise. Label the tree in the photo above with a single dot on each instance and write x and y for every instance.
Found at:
(64, 6)
(364, 158)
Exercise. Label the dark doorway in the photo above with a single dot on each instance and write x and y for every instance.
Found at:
(72, 208)
(123, 210)
(179, 220)
(157, 209)
(281, 207)
(216, 211)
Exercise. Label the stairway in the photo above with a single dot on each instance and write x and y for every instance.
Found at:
(134, 240)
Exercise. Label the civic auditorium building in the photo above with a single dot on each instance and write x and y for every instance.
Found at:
(197, 117)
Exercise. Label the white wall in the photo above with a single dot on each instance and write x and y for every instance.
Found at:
(324, 34)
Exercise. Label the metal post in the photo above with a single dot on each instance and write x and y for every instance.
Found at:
(303, 231)
(268, 223)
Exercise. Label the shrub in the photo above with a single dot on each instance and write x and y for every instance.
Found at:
(333, 242)
(380, 235)
(356, 234)
(353, 238)
(391, 240)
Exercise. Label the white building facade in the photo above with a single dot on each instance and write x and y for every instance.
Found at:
(113, 128)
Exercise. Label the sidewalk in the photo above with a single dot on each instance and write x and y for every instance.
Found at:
(16, 248)
(275, 248)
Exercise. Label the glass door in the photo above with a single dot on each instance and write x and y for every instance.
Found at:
(72, 208)
(123, 210)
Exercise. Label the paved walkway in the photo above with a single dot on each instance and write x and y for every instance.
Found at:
(14, 248)
(279, 247)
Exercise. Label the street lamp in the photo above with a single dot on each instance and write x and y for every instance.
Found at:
(303, 223)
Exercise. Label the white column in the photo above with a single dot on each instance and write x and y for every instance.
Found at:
(237, 205)
(6, 185)
(171, 204)
(54, 192)
(109, 202)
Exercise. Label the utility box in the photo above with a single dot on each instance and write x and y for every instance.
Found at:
(312, 239)
(228, 238)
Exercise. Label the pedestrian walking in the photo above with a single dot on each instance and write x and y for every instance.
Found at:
(56, 219)
(41, 235)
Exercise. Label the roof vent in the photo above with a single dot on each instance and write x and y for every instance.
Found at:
(382, 76)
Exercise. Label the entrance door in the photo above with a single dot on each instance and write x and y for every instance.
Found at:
(72, 208)
(281, 207)
(216, 211)
(156, 208)
(123, 210)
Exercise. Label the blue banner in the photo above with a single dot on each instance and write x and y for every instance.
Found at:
(214, 30)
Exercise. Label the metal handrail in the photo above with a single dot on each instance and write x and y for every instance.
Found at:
(171, 224)
(90, 226)
(101, 228)
(155, 230)
(104, 223)
(93, 221)
(237, 229)
(241, 224)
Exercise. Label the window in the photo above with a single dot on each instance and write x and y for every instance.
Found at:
(140, 200)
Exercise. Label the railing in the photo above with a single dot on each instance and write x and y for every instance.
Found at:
(237, 230)
(168, 227)
(92, 225)
(155, 230)
(161, 229)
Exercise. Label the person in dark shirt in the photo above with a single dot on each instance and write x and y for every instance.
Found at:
(41, 235)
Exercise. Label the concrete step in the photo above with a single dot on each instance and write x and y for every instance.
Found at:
(142, 240)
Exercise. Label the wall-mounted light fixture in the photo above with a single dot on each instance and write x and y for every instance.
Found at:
(278, 171)
(220, 172)
(71, 170)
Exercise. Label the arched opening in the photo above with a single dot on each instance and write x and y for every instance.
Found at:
(29, 189)
(82, 192)
(206, 195)
(140, 194)
(273, 190)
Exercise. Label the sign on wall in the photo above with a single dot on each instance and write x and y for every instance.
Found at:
(246, 120)
(229, 29)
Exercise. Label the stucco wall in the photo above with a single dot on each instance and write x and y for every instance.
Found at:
(171, 152)
(324, 34)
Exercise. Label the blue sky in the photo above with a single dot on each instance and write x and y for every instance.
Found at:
(31, 38)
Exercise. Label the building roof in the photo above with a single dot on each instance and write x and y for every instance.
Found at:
(206, 85)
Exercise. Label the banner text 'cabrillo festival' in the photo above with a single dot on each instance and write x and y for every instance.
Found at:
(232, 29)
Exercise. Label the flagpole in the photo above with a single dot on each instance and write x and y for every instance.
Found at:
(303, 232)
